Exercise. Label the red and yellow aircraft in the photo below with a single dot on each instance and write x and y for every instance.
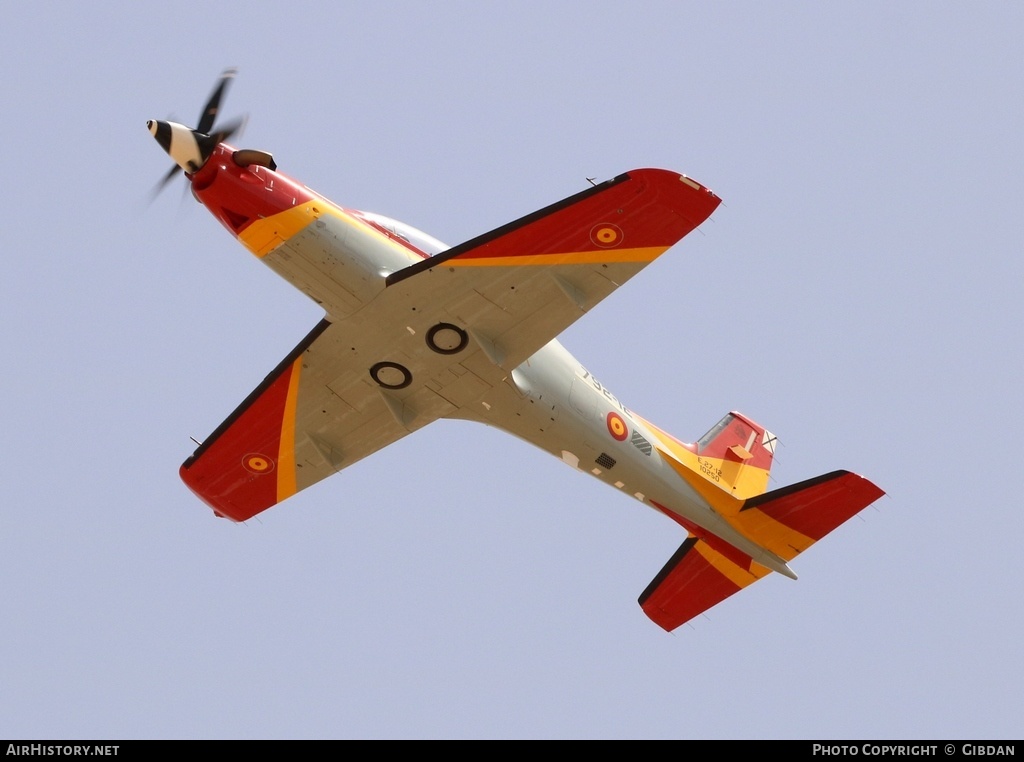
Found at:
(415, 331)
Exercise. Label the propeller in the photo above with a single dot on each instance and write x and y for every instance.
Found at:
(209, 114)
(190, 148)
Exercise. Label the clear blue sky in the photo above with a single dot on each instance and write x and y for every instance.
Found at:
(859, 293)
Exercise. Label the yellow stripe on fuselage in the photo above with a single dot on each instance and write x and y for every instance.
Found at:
(737, 479)
(286, 455)
(263, 236)
(717, 496)
(770, 534)
(596, 257)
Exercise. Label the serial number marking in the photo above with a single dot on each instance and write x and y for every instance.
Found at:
(607, 394)
(709, 469)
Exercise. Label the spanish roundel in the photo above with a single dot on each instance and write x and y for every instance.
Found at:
(617, 427)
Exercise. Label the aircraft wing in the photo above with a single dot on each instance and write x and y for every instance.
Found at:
(303, 423)
(518, 287)
(440, 335)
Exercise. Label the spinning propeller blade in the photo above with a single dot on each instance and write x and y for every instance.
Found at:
(209, 113)
(190, 148)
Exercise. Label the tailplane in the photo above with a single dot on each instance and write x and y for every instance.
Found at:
(786, 521)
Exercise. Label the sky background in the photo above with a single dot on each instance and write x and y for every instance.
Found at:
(859, 293)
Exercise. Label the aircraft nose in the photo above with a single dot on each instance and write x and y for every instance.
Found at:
(189, 148)
(162, 131)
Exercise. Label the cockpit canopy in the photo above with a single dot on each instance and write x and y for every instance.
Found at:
(425, 243)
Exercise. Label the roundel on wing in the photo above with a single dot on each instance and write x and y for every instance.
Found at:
(606, 235)
(447, 339)
(391, 375)
(617, 427)
(257, 464)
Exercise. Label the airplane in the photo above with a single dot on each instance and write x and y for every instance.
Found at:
(415, 331)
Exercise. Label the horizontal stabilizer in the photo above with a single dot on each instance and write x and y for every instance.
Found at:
(694, 579)
(785, 521)
(813, 508)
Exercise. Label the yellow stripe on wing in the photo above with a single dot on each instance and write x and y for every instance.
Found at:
(596, 257)
(286, 486)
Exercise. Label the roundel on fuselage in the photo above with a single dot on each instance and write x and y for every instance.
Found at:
(617, 427)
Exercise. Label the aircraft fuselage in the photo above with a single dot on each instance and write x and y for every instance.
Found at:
(340, 258)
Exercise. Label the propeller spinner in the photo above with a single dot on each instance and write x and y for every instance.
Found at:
(190, 148)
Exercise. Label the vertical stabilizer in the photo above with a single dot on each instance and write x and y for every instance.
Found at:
(727, 465)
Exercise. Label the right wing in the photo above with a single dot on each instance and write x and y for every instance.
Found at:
(292, 431)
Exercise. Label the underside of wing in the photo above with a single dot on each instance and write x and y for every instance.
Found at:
(318, 412)
(519, 286)
(248, 464)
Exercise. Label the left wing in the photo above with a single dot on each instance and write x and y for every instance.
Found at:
(441, 335)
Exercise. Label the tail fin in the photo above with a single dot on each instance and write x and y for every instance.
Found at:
(739, 439)
(786, 521)
(734, 457)
(742, 452)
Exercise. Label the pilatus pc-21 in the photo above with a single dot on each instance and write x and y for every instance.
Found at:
(415, 331)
